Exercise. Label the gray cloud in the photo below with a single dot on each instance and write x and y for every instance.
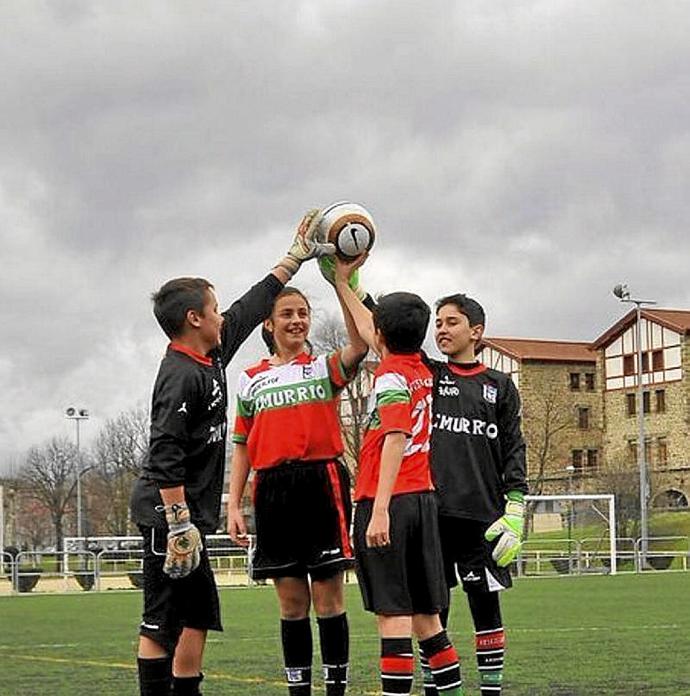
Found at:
(530, 153)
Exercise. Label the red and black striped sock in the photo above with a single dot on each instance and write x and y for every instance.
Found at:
(397, 666)
(444, 664)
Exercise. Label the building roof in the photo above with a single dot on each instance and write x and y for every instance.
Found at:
(539, 349)
(675, 319)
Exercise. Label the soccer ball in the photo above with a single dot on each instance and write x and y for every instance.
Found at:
(349, 226)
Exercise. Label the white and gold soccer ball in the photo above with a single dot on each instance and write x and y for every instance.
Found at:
(349, 226)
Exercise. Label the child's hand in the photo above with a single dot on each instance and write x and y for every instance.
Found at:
(377, 533)
(344, 269)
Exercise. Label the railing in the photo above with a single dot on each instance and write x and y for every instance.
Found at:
(592, 555)
(120, 567)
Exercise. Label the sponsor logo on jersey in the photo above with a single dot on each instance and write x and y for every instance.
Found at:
(293, 394)
(447, 380)
(474, 426)
(490, 393)
(448, 391)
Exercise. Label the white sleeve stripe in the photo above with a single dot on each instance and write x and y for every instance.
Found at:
(390, 381)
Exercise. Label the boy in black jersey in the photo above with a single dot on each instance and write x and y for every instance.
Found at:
(176, 499)
(478, 462)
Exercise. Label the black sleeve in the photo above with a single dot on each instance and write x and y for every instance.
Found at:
(512, 442)
(246, 314)
(175, 399)
(433, 365)
(369, 302)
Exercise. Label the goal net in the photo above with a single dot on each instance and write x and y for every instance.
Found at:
(572, 534)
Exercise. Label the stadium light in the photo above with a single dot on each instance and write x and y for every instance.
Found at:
(623, 294)
(78, 415)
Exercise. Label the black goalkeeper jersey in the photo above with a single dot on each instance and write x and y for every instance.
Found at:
(477, 449)
(189, 418)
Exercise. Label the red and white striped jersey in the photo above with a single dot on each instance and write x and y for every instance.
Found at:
(400, 401)
(289, 412)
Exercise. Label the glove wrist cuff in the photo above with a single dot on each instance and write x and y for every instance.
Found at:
(289, 264)
(178, 518)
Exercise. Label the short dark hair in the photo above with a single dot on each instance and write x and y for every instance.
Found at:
(402, 318)
(467, 306)
(175, 298)
(266, 335)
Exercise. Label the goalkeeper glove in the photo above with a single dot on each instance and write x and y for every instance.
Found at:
(306, 244)
(327, 268)
(508, 530)
(184, 542)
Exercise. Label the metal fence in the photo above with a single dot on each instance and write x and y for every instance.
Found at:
(116, 562)
(593, 555)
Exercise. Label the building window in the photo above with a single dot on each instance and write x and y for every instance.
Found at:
(646, 402)
(658, 360)
(648, 454)
(632, 452)
(575, 381)
(630, 404)
(577, 460)
(660, 400)
(592, 459)
(645, 362)
(589, 381)
(628, 365)
(662, 451)
(583, 418)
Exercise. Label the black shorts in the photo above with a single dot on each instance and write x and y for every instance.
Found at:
(405, 577)
(303, 513)
(171, 605)
(467, 556)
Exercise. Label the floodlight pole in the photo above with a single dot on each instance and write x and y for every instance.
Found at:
(623, 294)
(78, 415)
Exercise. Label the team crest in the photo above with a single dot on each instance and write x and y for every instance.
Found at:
(307, 371)
(490, 393)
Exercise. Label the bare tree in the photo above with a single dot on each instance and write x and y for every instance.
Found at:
(49, 477)
(621, 477)
(117, 455)
(329, 334)
(550, 419)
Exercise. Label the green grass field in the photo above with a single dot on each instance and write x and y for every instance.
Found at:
(567, 636)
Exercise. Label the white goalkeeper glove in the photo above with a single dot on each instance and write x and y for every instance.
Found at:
(307, 243)
(508, 530)
(183, 553)
(327, 268)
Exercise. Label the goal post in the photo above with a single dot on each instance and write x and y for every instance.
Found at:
(572, 521)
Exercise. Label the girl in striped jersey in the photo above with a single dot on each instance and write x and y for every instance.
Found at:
(287, 431)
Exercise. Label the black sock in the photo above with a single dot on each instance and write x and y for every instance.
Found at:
(334, 634)
(397, 666)
(297, 651)
(155, 676)
(187, 686)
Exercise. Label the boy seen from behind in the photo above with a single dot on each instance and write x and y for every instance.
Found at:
(396, 537)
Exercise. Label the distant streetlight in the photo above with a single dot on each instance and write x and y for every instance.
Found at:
(571, 471)
(78, 415)
(623, 294)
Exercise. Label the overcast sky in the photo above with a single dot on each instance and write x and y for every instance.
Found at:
(529, 153)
